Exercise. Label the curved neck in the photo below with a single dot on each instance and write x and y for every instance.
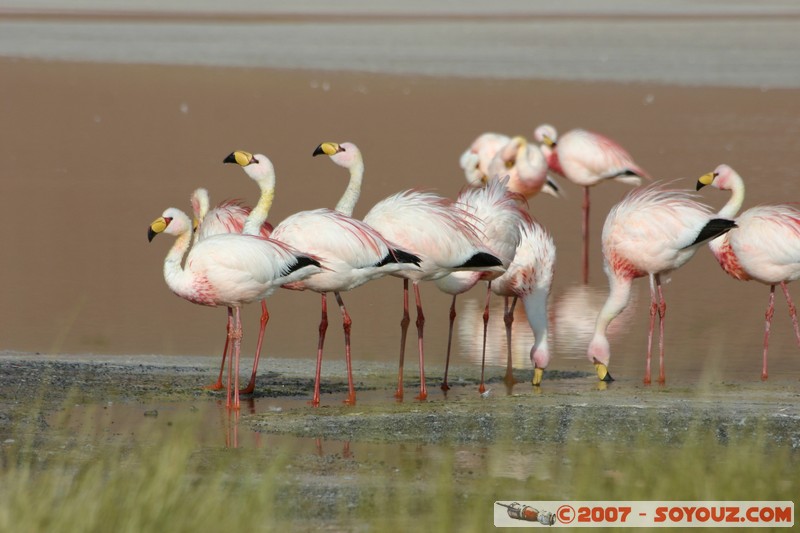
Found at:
(536, 310)
(350, 197)
(733, 206)
(260, 212)
(174, 274)
(618, 296)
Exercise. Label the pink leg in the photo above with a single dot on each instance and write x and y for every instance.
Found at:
(230, 360)
(423, 391)
(403, 332)
(662, 312)
(792, 311)
(482, 387)
(251, 386)
(323, 327)
(653, 311)
(508, 318)
(218, 384)
(768, 316)
(585, 235)
(445, 386)
(346, 322)
(237, 349)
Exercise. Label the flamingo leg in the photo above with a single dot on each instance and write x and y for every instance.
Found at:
(323, 327)
(445, 386)
(768, 316)
(230, 359)
(653, 311)
(586, 235)
(346, 323)
(403, 333)
(251, 385)
(508, 318)
(662, 312)
(792, 310)
(423, 391)
(218, 384)
(237, 349)
(482, 387)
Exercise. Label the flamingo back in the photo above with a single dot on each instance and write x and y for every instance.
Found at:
(586, 158)
(767, 242)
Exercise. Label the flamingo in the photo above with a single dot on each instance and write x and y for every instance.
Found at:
(497, 155)
(586, 159)
(429, 226)
(227, 217)
(651, 232)
(230, 270)
(526, 166)
(529, 277)
(501, 216)
(765, 246)
(352, 252)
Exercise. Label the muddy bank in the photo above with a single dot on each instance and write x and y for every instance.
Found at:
(568, 406)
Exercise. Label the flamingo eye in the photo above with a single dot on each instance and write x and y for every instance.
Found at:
(716, 174)
(167, 220)
(341, 149)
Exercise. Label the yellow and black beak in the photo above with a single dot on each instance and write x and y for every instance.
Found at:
(548, 141)
(158, 225)
(602, 373)
(705, 179)
(240, 157)
(327, 149)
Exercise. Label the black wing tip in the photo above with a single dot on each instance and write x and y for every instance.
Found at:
(399, 256)
(302, 262)
(481, 259)
(713, 229)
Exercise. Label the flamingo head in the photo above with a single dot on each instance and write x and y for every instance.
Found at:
(514, 150)
(599, 353)
(257, 166)
(345, 155)
(540, 356)
(546, 135)
(723, 178)
(173, 222)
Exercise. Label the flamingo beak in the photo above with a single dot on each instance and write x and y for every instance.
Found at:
(548, 141)
(602, 372)
(158, 225)
(240, 157)
(327, 149)
(704, 180)
(537, 376)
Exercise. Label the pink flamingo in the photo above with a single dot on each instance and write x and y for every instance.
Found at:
(651, 232)
(352, 252)
(476, 159)
(529, 277)
(765, 246)
(228, 217)
(430, 227)
(502, 218)
(526, 167)
(586, 159)
(230, 270)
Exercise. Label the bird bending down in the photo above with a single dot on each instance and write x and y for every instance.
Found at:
(502, 218)
(651, 232)
(230, 270)
(428, 226)
(764, 247)
(476, 159)
(526, 167)
(586, 159)
(352, 254)
(227, 217)
(529, 277)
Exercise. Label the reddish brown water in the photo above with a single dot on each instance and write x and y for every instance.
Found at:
(91, 154)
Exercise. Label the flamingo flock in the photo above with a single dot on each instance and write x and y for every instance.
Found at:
(231, 256)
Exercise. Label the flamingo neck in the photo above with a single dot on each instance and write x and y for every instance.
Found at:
(260, 212)
(736, 200)
(618, 296)
(536, 310)
(350, 197)
(176, 277)
(553, 162)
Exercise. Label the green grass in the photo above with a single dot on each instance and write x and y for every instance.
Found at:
(162, 479)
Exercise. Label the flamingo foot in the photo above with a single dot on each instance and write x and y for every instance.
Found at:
(482, 388)
(646, 381)
(350, 400)
(509, 379)
(445, 386)
(398, 393)
(763, 376)
(214, 386)
(422, 396)
(249, 389)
